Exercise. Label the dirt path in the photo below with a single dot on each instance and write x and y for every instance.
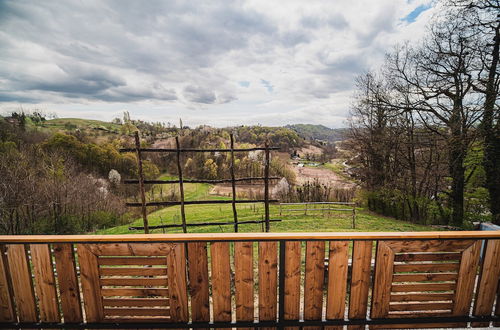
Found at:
(324, 176)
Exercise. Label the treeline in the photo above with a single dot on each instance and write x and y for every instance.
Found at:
(426, 126)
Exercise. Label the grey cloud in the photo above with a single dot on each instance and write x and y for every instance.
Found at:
(199, 95)
(335, 20)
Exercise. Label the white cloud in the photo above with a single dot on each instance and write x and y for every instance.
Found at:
(243, 62)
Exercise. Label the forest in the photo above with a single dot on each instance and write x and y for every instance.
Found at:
(426, 124)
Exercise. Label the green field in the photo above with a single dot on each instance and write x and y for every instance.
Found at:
(313, 221)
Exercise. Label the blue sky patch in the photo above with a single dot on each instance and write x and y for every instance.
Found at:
(411, 17)
(267, 85)
(245, 84)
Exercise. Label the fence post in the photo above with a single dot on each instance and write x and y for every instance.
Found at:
(141, 182)
(266, 186)
(354, 217)
(233, 184)
(181, 184)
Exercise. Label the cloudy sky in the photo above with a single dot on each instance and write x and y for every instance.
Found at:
(209, 62)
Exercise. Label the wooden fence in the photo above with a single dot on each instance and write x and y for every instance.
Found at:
(233, 180)
(321, 207)
(415, 279)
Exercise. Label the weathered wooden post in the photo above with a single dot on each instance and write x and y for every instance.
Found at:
(233, 184)
(354, 217)
(181, 184)
(266, 186)
(141, 182)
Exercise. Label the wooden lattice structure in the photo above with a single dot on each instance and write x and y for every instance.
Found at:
(178, 150)
(415, 279)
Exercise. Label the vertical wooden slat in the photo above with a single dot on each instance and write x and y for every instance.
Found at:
(221, 281)
(466, 279)
(68, 284)
(292, 280)
(268, 280)
(314, 279)
(360, 280)
(7, 310)
(198, 280)
(488, 281)
(89, 277)
(45, 282)
(243, 278)
(337, 279)
(22, 286)
(177, 286)
(384, 265)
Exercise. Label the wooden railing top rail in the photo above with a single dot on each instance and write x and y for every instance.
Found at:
(250, 237)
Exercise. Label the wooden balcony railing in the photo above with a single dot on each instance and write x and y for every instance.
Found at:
(385, 280)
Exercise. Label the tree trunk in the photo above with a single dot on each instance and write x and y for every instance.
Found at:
(491, 134)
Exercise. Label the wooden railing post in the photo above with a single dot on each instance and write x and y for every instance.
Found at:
(266, 186)
(181, 184)
(233, 185)
(141, 182)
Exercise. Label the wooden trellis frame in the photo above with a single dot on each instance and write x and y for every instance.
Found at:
(233, 180)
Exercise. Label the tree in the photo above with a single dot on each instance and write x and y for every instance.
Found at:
(484, 17)
(439, 77)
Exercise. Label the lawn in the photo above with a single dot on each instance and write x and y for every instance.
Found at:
(296, 222)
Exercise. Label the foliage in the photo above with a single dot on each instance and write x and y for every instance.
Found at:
(319, 132)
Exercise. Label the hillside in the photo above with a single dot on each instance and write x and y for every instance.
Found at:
(319, 132)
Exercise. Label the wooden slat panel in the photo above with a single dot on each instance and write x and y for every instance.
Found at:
(139, 261)
(243, 280)
(136, 302)
(268, 280)
(221, 281)
(89, 277)
(420, 306)
(427, 257)
(383, 280)
(360, 279)
(198, 281)
(429, 245)
(314, 279)
(177, 282)
(337, 279)
(424, 277)
(68, 284)
(135, 292)
(45, 282)
(130, 249)
(423, 287)
(7, 310)
(488, 281)
(292, 280)
(422, 297)
(142, 271)
(133, 281)
(22, 286)
(466, 279)
(427, 267)
(136, 311)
